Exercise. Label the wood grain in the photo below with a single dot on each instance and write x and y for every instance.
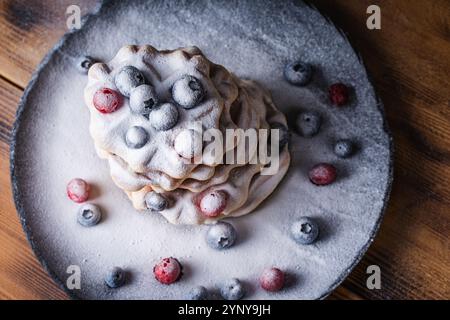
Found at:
(409, 61)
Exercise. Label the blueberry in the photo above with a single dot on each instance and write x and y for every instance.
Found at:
(115, 277)
(89, 215)
(164, 117)
(298, 73)
(127, 79)
(155, 201)
(308, 123)
(304, 230)
(284, 134)
(221, 235)
(143, 99)
(198, 293)
(344, 148)
(188, 91)
(84, 63)
(232, 290)
(136, 137)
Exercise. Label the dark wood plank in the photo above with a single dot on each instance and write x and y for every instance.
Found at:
(28, 30)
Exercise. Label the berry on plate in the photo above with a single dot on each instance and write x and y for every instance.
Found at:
(213, 203)
(89, 215)
(344, 148)
(78, 190)
(304, 230)
(167, 271)
(308, 123)
(156, 201)
(339, 94)
(221, 235)
(232, 289)
(198, 293)
(298, 73)
(272, 279)
(115, 277)
(323, 174)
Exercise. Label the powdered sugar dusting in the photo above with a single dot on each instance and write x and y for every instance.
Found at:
(254, 40)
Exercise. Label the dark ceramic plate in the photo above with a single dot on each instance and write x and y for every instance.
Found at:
(51, 145)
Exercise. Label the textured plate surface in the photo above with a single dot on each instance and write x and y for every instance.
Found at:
(254, 40)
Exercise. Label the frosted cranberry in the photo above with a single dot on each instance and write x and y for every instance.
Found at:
(339, 94)
(167, 271)
(322, 174)
(78, 190)
(107, 100)
(272, 279)
(213, 203)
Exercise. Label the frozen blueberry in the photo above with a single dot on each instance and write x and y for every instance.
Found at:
(127, 79)
(164, 117)
(136, 137)
(188, 91)
(344, 148)
(304, 230)
(89, 215)
(283, 134)
(221, 235)
(298, 73)
(156, 201)
(115, 277)
(84, 63)
(232, 290)
(308, 123)
(143, 99)
(198, 293)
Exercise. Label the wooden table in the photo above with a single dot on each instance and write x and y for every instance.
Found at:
(409, 59)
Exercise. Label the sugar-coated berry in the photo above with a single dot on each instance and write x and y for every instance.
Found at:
(156, 201)
(167, 271)
(308, 123)
(78, 190)
(107, 100)
(304, 230)
(339, 94)
(221, 235)
(272, 279)
(143, 99)
(213, 203)
(188, 143)
(89, 215)
(298, 73)
(323, 174)
(198, 293)
(136, 137)
(344, 148)
(188, 92)
(283, 134)
(127, 79)
(115, 277)
(84, 63)
(164, 117)
(232, 289)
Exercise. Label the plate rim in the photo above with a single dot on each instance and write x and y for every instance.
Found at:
(48, 57)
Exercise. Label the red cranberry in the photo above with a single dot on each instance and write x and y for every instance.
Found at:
(167, 271)
(322, 174)
(213, 203)
(339, 94)
(78, 190)
(272, 279)
(107, 100)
